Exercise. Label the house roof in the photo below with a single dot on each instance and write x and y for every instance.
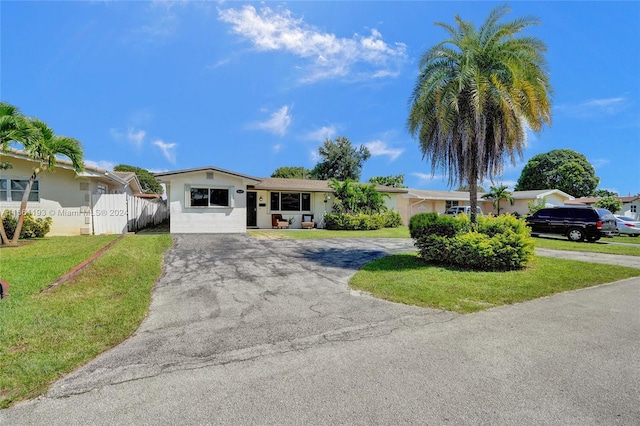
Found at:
(162, 175)
(592, 200)
(538, 193)
(282, 184)
(132, 180)
(89, 171)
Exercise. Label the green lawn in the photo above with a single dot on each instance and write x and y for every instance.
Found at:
(405, 278)
(44, 335)
(306, 234)
(597, 247)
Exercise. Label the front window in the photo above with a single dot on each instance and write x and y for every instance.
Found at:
(209, 197)
(13, 190)
(291, 201)
(450, 203)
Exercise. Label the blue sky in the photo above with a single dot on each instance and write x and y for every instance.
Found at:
(251, 87)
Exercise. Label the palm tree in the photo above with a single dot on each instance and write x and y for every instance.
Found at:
(14, 127)
(44, 150)
(497, 194)
(476, 93)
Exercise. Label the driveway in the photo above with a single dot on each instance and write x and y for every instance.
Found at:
(243, 331)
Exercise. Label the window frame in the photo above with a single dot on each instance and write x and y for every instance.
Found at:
(276, 197)
(209, 189)
(8, 191)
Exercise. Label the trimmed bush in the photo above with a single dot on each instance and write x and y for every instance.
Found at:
(357, 222)
(31, 227)
(392, 219)
(496, 244)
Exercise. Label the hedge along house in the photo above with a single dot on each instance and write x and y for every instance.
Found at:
(213, 200)
(66, 196)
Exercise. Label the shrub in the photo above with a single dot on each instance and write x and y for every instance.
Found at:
(392, 219)
(357, 222)
(497, 243)
(31, 227)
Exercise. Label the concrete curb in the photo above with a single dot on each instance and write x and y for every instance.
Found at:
(83, 265)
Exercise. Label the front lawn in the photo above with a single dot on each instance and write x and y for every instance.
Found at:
(306, 234)
(597, 247)
(44, 335)
(405, 278)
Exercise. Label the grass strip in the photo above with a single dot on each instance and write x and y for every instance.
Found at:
(405, 278)
(46, 335)
(309, 234)
(598, 247)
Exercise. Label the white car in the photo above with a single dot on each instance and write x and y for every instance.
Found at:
(461, 209)
(627, 225)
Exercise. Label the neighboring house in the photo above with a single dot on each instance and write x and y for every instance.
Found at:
(91, 202)
(213, 200)
(425, 201)
(630, 205)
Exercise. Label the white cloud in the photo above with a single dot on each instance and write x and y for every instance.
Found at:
(277, 147)
(594, 107)
(168, 149)
(133, 136)
(314, 156)
(327, 55)
(378, 148)
(278, 123)
(599, 162)
(322, 134)
(100, 164)
(424, 178)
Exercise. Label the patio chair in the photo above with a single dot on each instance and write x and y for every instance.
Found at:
(278, 222)
(307, 221)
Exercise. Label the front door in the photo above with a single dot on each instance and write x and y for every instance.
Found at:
(252, 209)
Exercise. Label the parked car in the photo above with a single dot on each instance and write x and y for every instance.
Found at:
(627, 225)
(461, 209)
(577, 223)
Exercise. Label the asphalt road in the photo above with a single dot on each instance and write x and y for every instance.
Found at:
(267, 332)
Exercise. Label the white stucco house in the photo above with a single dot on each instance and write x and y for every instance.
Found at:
(630, 205)
(214, 200)
(95, 201)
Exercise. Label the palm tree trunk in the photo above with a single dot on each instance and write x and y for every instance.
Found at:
(3, 233)
(23, 209)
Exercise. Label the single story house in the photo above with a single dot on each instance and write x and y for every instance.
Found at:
(630, 205)
(91, 202)
(424, 201)
(214, 200)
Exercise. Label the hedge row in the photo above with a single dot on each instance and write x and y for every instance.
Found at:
(31, 227)
(493, 244)
(362, 222)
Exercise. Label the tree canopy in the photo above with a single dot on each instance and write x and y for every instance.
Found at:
(296, 172)
(148, 181)
(392, 181)
(610, 203)
(476, 94)
(563, 169)
(340, 160)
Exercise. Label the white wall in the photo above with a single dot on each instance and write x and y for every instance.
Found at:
(207, 220)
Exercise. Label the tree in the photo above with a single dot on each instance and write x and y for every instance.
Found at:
(497, 194)
(14, 127)
(538, 204)
(292, 173)
(44, 151)
(610, 203)
(148, 181)
(563, 169)
(475, 96)
(465, 188)
(340, 160)
(391, 181)
(356, 198)
(604, 193)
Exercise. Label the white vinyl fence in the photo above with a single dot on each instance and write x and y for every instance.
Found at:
(120, 213)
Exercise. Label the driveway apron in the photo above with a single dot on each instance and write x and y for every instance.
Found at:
(227, 298)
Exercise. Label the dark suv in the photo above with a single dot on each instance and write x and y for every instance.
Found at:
(576, 223)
